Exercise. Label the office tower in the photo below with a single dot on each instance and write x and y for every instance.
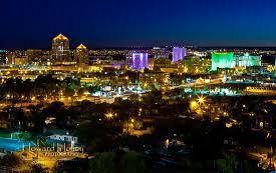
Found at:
(139, 61)
(81, 54)
(178, 53)
(60, 49)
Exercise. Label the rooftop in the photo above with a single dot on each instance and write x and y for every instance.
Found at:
(81, 46)
(60, 37)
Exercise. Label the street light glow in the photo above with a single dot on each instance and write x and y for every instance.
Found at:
(110, 115)
(201, 100)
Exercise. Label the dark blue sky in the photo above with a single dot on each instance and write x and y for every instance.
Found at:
(101, 23)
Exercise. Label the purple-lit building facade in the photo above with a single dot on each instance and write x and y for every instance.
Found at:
(139, 61)
(178, 53)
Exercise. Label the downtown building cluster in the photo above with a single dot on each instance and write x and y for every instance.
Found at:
(62, 55)
(59, 54)
(167, 59)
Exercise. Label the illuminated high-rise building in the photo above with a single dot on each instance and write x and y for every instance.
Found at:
(222, 60)
(60, 42)
(81, 54)
(60, 49)
(178, 53)
(139, 61)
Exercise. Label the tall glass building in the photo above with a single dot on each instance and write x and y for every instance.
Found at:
(81, 54)
(60, 49)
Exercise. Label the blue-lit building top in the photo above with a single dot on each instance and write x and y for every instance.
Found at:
(3, 57)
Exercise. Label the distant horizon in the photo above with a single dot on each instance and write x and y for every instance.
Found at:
(74, 43)
(72, 47)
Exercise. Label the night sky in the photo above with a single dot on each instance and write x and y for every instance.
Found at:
(126, 23)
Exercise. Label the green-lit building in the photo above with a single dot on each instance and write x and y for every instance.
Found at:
(247, 60)
(229, 60)
(222, 60)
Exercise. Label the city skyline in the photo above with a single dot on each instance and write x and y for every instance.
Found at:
(148, 86)
(31, 24)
